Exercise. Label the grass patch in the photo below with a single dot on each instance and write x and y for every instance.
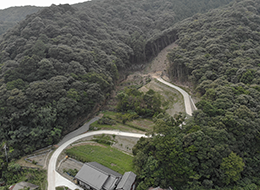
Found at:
(61, 188)
(103, 154)
(117, 126)
(173, 96)
(135, 127)
(140, 124)
(103, 139)
(110, 114)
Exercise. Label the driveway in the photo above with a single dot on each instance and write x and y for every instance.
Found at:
(79, 131)
(189, 104)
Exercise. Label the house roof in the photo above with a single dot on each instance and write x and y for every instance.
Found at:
(91, 176)
(98, 176)
(111, 183)
(105, 169)
(126, 181)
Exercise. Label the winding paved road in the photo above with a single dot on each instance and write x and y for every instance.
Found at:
(55, 179)
(188, 102)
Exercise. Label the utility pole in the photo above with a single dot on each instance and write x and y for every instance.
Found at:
(5, 147)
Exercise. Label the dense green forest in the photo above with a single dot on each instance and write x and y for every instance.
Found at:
(219, 147)
(143, 104)
(60, 64)
(11, 16)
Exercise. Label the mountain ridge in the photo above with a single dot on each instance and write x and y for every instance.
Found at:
(9, 17)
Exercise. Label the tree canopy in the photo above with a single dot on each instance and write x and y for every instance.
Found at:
(58, 64)
(61, 63)
(219, 146)
(11, 16)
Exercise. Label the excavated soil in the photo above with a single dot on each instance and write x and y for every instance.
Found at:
(155, 69)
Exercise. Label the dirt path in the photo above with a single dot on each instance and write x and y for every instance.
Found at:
(156, 69)
(175, 99)
(188, 102)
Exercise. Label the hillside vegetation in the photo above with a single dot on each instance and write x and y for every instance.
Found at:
(219, 147)
(60, 64)
(11, 16)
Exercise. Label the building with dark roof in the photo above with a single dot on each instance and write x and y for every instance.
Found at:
(127, 182)
(95, 176)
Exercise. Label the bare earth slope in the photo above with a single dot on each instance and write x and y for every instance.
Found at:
(158, 64)
(157, 69)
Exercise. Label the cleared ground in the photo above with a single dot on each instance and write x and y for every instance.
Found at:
(172, 96)
(144, 80)
(125, 144)
(139, 125)
(67, 164)
(159, 63)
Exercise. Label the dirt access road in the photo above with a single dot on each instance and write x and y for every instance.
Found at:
(188, 102)
(157, 70)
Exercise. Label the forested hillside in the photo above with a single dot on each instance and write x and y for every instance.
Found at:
(59, 63)
(141, 22)
(11, 16)
(219, 147)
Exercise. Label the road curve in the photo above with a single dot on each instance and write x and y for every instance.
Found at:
(55, 179)
(188, 102)
(79, 131)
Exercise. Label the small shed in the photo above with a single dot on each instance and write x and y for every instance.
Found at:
(127, 182)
